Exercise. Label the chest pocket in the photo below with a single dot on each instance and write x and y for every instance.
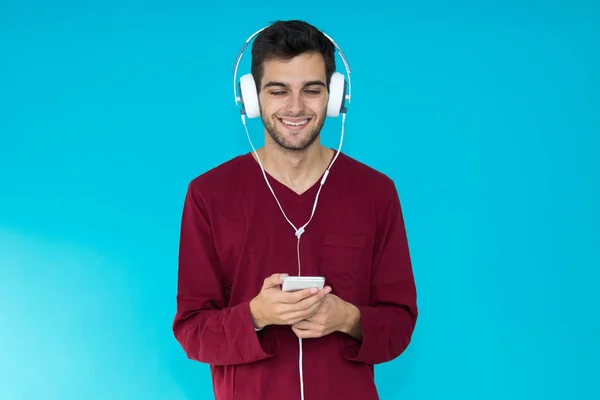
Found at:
(344, 240)
(345, 264)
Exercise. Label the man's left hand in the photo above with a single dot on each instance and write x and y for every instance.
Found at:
(333, 315)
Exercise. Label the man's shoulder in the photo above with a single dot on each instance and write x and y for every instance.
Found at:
(359, 172)
(223, 176)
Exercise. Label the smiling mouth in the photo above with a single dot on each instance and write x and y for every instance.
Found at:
(294, 122)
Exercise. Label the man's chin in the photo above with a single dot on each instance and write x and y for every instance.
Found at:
(292, 145)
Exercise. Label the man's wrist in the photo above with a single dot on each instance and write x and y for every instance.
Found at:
(255, 315)
(353, 325)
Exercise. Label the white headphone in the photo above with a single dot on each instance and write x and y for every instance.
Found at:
(249, 98)
(250, 108)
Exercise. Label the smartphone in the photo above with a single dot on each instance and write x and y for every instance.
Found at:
(294, 283)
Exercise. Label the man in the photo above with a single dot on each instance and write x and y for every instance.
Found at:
(236, 245)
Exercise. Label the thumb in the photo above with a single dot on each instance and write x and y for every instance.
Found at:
(274, 280)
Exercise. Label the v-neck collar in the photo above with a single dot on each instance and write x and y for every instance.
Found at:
(283, 190)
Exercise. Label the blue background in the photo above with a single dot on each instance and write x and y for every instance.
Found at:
(486, 116)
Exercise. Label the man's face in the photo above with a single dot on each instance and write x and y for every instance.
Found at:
(293, 100)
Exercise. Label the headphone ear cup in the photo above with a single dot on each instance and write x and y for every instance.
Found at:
(337, 95)
(249, 96)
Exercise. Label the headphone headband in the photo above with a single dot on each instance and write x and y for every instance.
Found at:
(241, 54)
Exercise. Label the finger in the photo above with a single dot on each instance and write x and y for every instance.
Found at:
(306, 310)
(304, 333)
(305, 300)
(273, 280)
(303, 324)
(300, 310)
(314, 298)
(297, 296)
(294, 316)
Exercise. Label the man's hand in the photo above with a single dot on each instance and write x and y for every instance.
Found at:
(333, 315)
(272, 306)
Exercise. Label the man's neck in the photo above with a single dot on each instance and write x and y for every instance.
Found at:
(298, 170)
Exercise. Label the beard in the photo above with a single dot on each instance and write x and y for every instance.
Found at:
(279, 137)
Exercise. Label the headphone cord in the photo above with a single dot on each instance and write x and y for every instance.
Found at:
(298, 231)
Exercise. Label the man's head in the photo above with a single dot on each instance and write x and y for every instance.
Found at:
(292, 65)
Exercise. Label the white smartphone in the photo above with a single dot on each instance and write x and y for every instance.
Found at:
(294, 283)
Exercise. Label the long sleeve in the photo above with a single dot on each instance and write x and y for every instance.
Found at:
(389, 320)
(207, 328)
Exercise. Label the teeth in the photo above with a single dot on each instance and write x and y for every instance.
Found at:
(294, 123)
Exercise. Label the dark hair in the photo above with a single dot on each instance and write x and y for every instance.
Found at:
(287, 39)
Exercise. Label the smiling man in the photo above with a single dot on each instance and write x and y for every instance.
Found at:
(236, 244)
(301, 117)
(293, 97)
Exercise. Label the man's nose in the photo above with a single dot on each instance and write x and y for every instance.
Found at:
(295, 103)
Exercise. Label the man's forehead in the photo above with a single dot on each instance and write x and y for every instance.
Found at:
(300, 62)
(293, 72)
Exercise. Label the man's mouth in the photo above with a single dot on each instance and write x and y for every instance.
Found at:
(294, 122)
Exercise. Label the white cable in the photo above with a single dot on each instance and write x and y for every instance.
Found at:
(301, 370)
(298, 231)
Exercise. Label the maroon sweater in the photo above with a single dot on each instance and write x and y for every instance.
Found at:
(233, 236)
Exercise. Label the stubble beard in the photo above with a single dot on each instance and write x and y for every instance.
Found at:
(279, 138)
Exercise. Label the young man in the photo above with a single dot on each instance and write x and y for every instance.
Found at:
(236, 244)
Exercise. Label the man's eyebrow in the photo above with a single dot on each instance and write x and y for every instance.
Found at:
(272, 83)
(308, 83)
(317, 82)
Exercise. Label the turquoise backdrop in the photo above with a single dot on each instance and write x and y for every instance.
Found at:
(486, 115)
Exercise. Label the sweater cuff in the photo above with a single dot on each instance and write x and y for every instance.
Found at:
(361, 351)
(257, 345)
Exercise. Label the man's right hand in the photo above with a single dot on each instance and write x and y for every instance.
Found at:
(272, 306)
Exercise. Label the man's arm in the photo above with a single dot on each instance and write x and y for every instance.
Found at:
(207, 328)
(353, 327)
(382, 330)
